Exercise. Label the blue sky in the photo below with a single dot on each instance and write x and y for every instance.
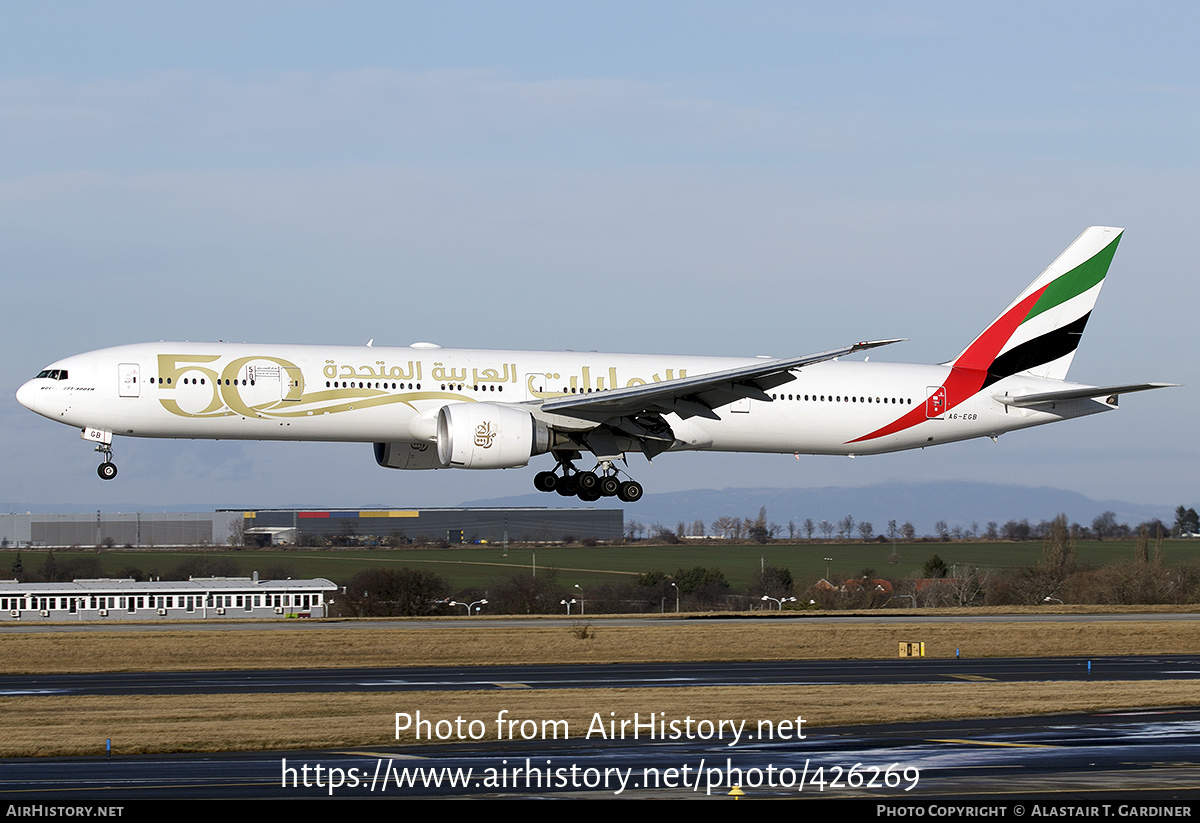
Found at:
(716, 178)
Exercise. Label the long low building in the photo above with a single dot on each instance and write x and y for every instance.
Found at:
(117, 529)
(455, 525)
(128, 599)
(307, 526)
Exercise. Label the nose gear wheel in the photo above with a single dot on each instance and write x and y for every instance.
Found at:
(108, 469)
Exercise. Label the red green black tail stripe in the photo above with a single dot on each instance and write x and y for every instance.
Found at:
(982, 364)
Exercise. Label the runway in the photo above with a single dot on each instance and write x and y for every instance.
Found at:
(658, 675)
(1141, 759)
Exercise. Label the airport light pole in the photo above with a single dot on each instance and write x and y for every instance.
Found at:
(766, 597)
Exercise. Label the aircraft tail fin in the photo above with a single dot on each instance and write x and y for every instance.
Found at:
(1038, 333)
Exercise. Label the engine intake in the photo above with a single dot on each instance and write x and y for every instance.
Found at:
(488, 436)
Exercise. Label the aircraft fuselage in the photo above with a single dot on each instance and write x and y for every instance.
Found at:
(374, 394)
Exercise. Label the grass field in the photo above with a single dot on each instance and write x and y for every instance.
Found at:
(476, 641)
(470, 566)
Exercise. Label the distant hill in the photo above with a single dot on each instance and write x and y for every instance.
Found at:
(959, 503)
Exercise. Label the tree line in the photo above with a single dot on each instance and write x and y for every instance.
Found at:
(1104, 526)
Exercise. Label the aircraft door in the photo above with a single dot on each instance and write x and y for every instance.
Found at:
(293, 386)
(128, 378)
(935, 403)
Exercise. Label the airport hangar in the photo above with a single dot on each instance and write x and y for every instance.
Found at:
(365, 526)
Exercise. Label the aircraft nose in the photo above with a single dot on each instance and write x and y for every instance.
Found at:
(33, 398)
(25, 395)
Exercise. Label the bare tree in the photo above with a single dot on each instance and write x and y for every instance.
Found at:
(967, 588)
(1104, 524)
(725, 526)
(845, 526)
(1058, 546)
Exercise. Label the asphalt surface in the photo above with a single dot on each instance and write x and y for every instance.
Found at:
(1135, 760)
(617, 675)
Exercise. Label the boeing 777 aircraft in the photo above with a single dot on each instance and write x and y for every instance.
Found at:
(426, 407)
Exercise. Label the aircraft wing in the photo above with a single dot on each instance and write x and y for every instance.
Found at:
(697, 395)
(1038, 398)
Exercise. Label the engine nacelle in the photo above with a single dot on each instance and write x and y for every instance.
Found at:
(407, 455)
(488, 436)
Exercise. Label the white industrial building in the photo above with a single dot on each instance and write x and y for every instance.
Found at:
(199, 598)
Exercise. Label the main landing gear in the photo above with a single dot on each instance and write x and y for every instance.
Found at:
(588, 486)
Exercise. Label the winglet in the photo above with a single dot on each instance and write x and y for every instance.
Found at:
(872, 344)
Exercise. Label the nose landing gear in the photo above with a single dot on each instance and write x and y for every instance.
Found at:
(108, 469)
(103, 440)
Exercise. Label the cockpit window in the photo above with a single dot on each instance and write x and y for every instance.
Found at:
(53, 374)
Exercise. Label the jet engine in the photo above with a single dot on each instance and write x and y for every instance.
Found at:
(408, 455)
(488, 436)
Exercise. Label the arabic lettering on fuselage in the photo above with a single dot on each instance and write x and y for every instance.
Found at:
(380, 371)
(538, 384)
(544, 385)
(268, 372)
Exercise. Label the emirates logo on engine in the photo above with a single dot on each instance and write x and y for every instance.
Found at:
(484, 435)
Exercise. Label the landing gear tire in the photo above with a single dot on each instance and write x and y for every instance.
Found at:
(609, 486)
(589, 483)
(630, 492)
(107, 470)
(567, 486)
(588, 497)
(545, 481)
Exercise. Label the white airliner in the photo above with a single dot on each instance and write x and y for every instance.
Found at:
(426, 407)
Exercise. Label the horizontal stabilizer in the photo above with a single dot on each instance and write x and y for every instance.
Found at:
(1038, 398)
